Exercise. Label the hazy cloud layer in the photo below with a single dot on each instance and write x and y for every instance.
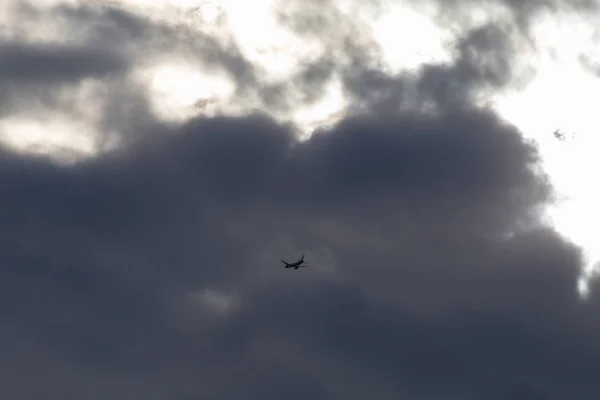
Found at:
(153, 271)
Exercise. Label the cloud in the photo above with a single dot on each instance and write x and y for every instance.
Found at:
(428, 298)
(152, 271)
(69, 68)
(523, 13)
(87, 35)
(90, 62)
(56, 63)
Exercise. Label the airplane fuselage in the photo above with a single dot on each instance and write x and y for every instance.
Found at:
(296, 264)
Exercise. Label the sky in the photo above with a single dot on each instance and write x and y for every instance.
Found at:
(160, 158)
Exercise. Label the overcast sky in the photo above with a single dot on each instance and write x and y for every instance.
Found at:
(144, 211)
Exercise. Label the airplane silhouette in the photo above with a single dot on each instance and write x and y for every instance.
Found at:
(296, 264)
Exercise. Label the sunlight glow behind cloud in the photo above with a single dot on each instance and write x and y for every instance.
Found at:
(427, 44)
(178, 91)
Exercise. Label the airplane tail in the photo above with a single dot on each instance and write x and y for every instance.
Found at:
(302, 258)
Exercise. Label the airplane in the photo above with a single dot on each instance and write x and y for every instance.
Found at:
(296, 264)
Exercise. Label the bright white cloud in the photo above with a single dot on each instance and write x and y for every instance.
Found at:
(409, 38)
(178, 91)
(50, 135)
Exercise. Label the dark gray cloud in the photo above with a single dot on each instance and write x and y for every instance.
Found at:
(24, 62)
(431, 276)
(34, 76)
(144, 38)
(427, 299)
